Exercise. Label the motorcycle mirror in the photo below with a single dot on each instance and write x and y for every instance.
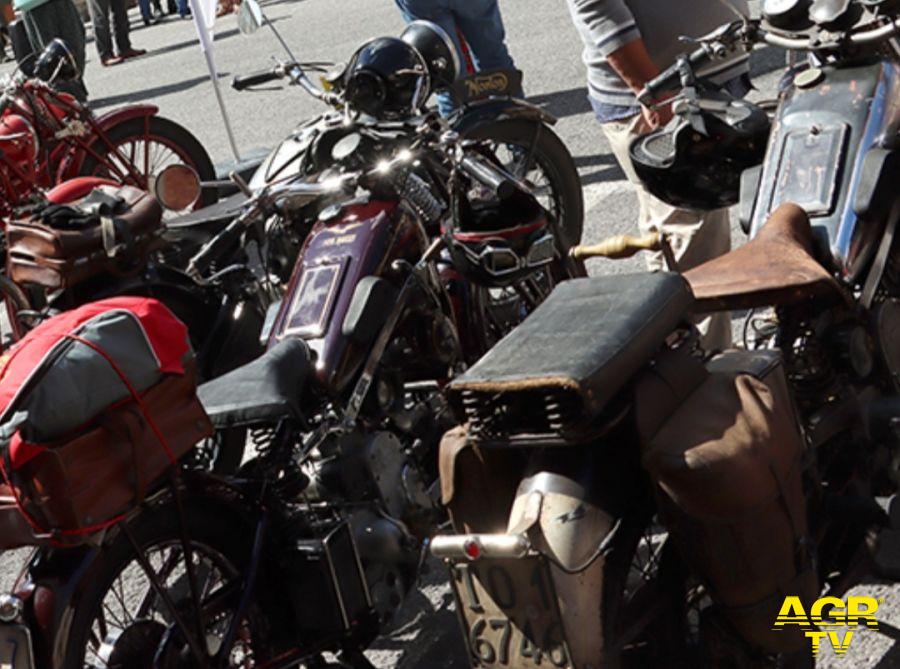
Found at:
(250, 17)
(177, 187)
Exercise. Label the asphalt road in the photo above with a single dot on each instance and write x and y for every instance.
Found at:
(174, 77)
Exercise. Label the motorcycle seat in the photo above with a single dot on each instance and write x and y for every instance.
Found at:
(775, 268)
(263, 391)
(588, 338)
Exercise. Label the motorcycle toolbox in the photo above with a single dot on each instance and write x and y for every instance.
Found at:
(109, 391)
(726, 461)
(112, 230)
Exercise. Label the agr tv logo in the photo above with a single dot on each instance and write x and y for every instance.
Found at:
(829, 614)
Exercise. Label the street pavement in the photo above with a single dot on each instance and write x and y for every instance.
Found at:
(174, 77)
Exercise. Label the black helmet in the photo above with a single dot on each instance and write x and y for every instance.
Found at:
(387, 78)
(495, 243)
(696, 161)
(57, 62)
(438, 50)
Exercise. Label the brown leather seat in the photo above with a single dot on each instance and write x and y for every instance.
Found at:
(775, 268)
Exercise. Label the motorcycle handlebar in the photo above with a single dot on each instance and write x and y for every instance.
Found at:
(488, 175)
(244, 81)
(671, 78)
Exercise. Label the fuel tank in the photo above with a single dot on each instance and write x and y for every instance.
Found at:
(828, 123)
(362, 240)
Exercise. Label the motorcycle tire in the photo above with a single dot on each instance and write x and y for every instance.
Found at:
(547, 152)
(163, 133)
(115, 586)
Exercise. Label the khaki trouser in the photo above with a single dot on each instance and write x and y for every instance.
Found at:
(695, 236)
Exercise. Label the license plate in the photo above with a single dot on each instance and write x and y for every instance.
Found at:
(510, 615)
(15, 647)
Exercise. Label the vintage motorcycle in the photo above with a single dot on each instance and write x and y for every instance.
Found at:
(622, 498)
(49, 137)
(411, 269)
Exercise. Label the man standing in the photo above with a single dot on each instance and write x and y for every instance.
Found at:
(479, 22)
(626, 44)
(100, 13)
(45, 20)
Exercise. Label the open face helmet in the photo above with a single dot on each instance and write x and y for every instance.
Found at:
(387, 79)
(495, 243)
(696, 161)
(438, 50)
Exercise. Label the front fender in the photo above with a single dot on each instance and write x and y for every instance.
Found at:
(478, 113)
(111, 119)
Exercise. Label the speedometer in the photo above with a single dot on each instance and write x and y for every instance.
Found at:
(784, 13)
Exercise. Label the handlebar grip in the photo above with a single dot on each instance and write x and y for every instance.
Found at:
(670, 78)
(244, 81)
(620, 246)
(488, 175)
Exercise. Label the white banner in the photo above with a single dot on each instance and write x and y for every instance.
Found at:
(204, 12)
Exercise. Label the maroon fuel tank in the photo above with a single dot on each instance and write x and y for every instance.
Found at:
(363, 240)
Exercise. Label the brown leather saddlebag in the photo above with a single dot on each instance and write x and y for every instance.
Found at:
(109, 467)
(112, 230)
(727, 464)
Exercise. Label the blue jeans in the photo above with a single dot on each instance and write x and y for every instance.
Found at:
(480, 23)
(146, 14)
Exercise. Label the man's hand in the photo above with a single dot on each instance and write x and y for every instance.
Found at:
(632, 62)
(660, 114)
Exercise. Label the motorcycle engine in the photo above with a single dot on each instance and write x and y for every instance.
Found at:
(382, 489)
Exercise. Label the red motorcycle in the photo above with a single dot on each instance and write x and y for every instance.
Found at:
(48, 137)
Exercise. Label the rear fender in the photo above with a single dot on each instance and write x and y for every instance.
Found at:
(564, 504)
(487, 111)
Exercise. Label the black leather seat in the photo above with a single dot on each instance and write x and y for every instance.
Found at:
(590, 336)
(263, 391)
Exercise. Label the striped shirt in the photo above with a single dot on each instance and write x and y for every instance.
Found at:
(607, 25)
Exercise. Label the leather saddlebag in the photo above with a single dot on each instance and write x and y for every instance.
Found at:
(112, 230)
(727, 466)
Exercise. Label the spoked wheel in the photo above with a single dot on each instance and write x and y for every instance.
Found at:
(656, 614)
(497, 311)
(151, 145)
(122, 619)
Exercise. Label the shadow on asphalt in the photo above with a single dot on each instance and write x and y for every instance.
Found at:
(564, 103)
(150, 93)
